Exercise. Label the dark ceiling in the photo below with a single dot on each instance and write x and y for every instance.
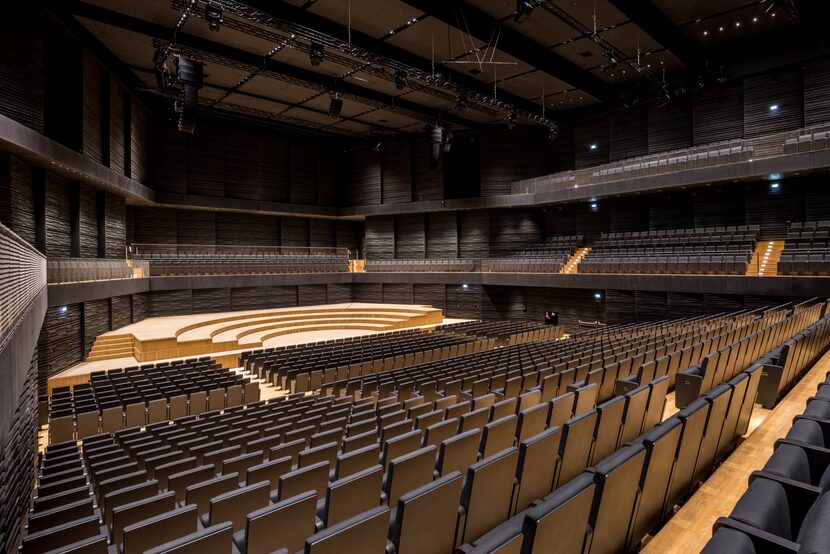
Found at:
(465, 63)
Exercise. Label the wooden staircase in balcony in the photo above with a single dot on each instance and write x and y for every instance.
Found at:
(764, 262)
(110, 347)
(572, 265)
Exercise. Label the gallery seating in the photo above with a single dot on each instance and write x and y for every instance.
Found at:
(806, 250)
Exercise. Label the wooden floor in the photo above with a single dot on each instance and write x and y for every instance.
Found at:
(691, 526)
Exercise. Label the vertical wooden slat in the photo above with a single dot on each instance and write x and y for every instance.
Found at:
(761, 92)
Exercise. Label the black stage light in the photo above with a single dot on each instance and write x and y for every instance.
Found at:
(523, 10)
(335, 106)
(401, 80)
(214, 16)
(511, 121)
(610, 62)
(316, 54)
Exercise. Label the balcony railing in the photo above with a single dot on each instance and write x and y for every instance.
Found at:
(22, 277)
(73, 270)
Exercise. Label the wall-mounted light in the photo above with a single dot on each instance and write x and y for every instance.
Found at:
(63, 310)
(465, 286)
(775, 186)
(597, 296)
(593, 147)
(773, 108)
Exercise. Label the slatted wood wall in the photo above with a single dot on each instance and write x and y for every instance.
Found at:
(426, 185)
(461, 164)
(503, 303)
(409, 237)
(96, 321)
(196, 227)
(257, 298)
(506, 156)
(674, 210)
(311, 295)
(206, 171)
(366, 292)
(141, 306)
(139, 137)
(380, 238)
(463, 302)
(718, 114)
(514, 230)
(121, 311)
(396, 164)
(17, 210)
(245, 229)
(430, 295)
(628, 133)
(242, 157)
(303, 173)
(338, 293)
(562, 150)
(620, 306)
(474, 234)
(329, 173)
(60, 344)
(630, 214)
(294, 231)
(362, 174)
(817, 92)
(350, 235)
(397, 293)
(154, 226)
(651, 305)
(169, 155)
(21, 73)
(88, 222)
(589, 132)
(58, 235)
(670, 126)
(93, 141)
(62, 87)
(115, 222)
(211, 300)
(322, 232)
(783, 89)
(441, 230)
(118, 96)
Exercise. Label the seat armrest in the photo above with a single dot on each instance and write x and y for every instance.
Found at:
(763, 541)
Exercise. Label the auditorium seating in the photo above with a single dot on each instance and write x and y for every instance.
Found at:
(505, 332)
(135, 396)
(549, 256)
(809, 139)
(706, 250)
(786, 507)
(806, 250)
(66, 270)
(451, 264)
(181, 260)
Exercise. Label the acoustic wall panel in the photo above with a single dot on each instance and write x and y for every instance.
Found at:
(62, 85)
(206, 162)
(338, 293)
(195, 227)
(620, 306)
(93, 140)
(773, 209)
(773, 103)
(247, 229)
(629, 214)
(409, 237)
(397, 173)
(562, 150)
(670, 126)
(441, 230)
(366, 292)
(397, 293)
(154, 226)
(294, 231)
(118, 142)
(169, 153)
(17, 209)
(274, 168)
(242, 165)
(651, 306)
(463, 302)
(427, 184)
(211, 300)
(329, 173)
(503, 303)
(350, 235)
(58, 234)
(96, 321)
(115, 225)
(311, 295)
(141, 306)
(684, 304)
(60, 344)
(717, 114)
(88, 222)
(507, 156)
(674, 210)
(513, 230)
(322, 232)
(121, 311)
(170, 302)
(559, 221)
(303, 173)
(380, 238)
(591, 142)
(362, 177)
(719, 303)
(21, 74)
(628, 133)
(817, 92)
(719, 206)
(430, 295)
(139, 137)
(262, 298)
(474, 234)
(462, 164)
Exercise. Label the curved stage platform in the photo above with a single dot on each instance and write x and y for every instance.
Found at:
(223, 335)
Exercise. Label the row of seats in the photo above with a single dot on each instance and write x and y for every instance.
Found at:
(669, 264)
(786, 507)
(506, 332)
(806, 250)
(452, 264)
(539, 264)
(688, 233)
(808, 140)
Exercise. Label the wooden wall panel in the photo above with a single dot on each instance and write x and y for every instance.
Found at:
(397, 173)
(96, 321)
(628, 133)
(409, 237)
(21, 73)
(154, 226)
(684, 304)
(670, 126)
(17, 209)
(514, 230)
(783, 89)
(773, 209)
(366, 292)
(674, 210)
(397, 293)
(503, 303)
(139, 141)
(247, 229)
(506, 156)
(122, 311)
(62, 85)
(261, 298)
(462, 168)
(441, 235)
(651, 306)
(329, 173)
(60, 344)
(115, 226)
(474, 234)
(169, 302)
(58, 234)
(380, 238)
(817, 92)
(620, 306)
(294, 231)
(211, 300)
(88, 222)
(169, 155)
(93, 141)
(350, 235)
(311, 295)
(141, 306)
(463, 302)
(274, 168)
(338, 293)
(427, 185)
(206, 162)
(562, 150)
(430, 295)
(719, 206)
(589, 132)
(322, 232)
(718, 114)
(118, 139)
(242, 165)
(362, 177)
(629, 214)
(560, 221)
(303, 173)
(195, 227)
(719, 303)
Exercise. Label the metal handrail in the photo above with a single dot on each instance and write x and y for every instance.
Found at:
(22, 277)
(137, 249)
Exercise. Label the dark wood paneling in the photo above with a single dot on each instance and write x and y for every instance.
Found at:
(619, 306)
(514, 230)
(362, 177)
(591, 132)
(773, 209)
(651, 306)
(629, 214)
(463, 302)
(562, 153)
(507, 156)
(337, 293)
(719, 206)
(274, 168)
(409, 237)
(154, 226)
(170, 302)
(628, 133)
(58, 233)
(96, 321)
(560, 220)
(441, 235)
(311, 295)
(247, 230)
(169, 159)
(329, 175)
(60, 344)
(366, 292)
(684, 304)
(303, 173)
(322, 232)
(474, 234)
(21, 73)
(122, 311)
(429, 295)
(141, 306)
(17, 208)
(118, 139)
(503, 303)
(211, 300)
(718, 114)
(242, 159)
(817, 92)
(462, 168)
(294, 231)
(720, 303)
(195, 227)
(115, 223)
(670, 126)
(397, 173)
(62, 87)
(139, 137)
(783, 89)
(350, 235)
(380, 238)
(675, 210)
(88, 222)
(261, 298)
(93, 141)
(397, 293)
(427, 185)
(206, 162)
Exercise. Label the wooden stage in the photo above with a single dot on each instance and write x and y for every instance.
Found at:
(224, 335)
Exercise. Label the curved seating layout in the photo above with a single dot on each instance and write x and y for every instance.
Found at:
(455, 452)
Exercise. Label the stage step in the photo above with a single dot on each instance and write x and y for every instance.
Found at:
(110, 347)
(572, 265)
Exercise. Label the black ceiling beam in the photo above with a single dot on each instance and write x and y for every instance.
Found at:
(288, 12)
(156, 31)
(662, 29)
(482, 25)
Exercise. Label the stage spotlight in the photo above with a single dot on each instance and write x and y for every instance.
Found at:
(335, 107)
(511, 121)
(213, 16)
(523, 10)
(316, 54)
(401, 80)
(610, 62)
